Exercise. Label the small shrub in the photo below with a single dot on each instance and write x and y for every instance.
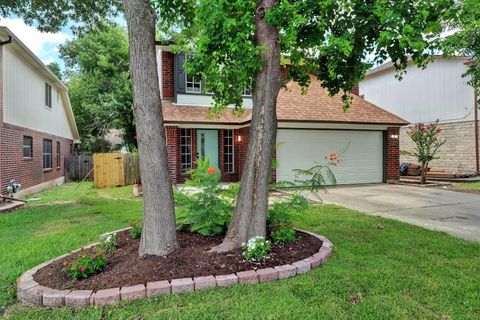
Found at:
(88, 263)
(279, 222)
(110, 244)
(209, 210)
(136, 231)
(256, 249)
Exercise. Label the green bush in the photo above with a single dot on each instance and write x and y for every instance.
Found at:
(256, 249)
(89, 262)
(207, 210)
(136, 231)
(281, 228)
(110, 244)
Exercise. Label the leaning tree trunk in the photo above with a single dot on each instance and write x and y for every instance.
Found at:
(250, 216)
(159, 234)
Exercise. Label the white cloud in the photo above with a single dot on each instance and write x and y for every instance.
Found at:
(43, 44)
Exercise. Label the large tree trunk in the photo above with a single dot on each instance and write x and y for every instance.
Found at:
(159, 234)
(250, 216)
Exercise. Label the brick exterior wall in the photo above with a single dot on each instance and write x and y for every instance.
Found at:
(29, 171)
(456, 156)
(167, 75)
(392, 155)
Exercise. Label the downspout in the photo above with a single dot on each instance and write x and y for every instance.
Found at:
(2, 43)
(475, 105)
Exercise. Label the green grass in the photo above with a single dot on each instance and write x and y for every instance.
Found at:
(400, 271)
(469, 186)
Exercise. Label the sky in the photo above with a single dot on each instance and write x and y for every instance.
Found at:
(44, 45)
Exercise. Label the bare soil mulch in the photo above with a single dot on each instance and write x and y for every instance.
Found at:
(191, 259)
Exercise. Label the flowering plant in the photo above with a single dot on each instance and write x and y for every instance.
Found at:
(110, 244)
(89, 262)
(136, 231)
(427, 142)
(256, 248)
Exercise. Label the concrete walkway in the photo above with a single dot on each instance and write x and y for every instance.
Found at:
(455, 213)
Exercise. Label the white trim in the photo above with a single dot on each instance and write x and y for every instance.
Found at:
(160, 69)
(326, 125)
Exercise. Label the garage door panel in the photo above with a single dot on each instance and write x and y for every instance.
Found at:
(361, 153)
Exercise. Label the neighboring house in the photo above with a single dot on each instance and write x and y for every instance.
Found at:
(37, 127)
(438, 92)
(310, 127)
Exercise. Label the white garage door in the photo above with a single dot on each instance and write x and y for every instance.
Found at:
(361, 153)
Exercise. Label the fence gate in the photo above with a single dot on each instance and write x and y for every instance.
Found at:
(108, 170)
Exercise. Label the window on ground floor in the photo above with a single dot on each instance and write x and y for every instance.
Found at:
(185, 150)
(228, 151)
(27, 147)
(58, 155)
(47, 154)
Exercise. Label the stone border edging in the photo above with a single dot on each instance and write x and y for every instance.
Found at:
(32, 294)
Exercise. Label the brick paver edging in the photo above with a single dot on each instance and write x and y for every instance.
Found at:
(30, 293)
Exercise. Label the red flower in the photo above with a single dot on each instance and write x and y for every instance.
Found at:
(82, 269)
(211, 170)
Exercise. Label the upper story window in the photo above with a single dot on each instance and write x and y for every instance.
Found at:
(27, 147)
(48, 95)
(247, 92)
(193, 84)
(47, 154)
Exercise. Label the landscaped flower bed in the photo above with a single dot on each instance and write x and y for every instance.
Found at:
(189, 268)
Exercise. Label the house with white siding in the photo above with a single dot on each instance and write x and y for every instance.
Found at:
(37, 126)
(440, 91)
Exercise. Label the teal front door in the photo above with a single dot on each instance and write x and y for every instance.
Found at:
(207, 146)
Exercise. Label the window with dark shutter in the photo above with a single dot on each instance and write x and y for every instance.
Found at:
(47, 154)
(48, 95)
(27, 147)
(58, 155)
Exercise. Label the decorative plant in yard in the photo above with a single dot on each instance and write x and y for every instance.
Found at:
(427, 142)
(279, 222)
(207, 211)
(110, 244)
(89, 262)
(256, 249)
(136, 231)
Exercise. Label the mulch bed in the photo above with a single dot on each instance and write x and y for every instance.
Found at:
(191, 259)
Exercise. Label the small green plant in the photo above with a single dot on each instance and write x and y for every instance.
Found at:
(279, 222)
(208, 209)
(136, 231)
(256, 249)
(89, 262)
(110, 244)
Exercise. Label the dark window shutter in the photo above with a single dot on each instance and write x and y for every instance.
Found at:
(180, 73)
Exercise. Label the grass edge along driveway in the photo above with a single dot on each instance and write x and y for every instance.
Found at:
(380, 269)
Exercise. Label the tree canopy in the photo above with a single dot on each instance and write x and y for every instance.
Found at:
(97, 64)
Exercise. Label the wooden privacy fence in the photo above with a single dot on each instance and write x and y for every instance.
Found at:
(78, 168)
(115, 169)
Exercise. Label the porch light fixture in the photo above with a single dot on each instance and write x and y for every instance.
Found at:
(394, 136)
(239, 138)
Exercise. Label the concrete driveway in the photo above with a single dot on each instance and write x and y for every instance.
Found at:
(455, 213)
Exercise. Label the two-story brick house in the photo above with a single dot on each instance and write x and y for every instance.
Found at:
(37, 127)
(439, 92)
(310, 127)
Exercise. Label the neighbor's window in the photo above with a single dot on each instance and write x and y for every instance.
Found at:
(193, 84)
(47, 154)
(185, 149)
(247, 92)
(58, 154)
(48, 95)
(27, 147)
(228, 151)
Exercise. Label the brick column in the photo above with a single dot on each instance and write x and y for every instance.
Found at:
(393, 154)
(173, 142)
(167, 75)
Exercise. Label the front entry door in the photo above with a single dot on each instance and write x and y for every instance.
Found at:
(207, 146)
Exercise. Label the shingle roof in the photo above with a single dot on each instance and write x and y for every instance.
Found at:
(315, 106)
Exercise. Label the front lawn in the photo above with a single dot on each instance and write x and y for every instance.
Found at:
(472, 187)
(380, 269)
